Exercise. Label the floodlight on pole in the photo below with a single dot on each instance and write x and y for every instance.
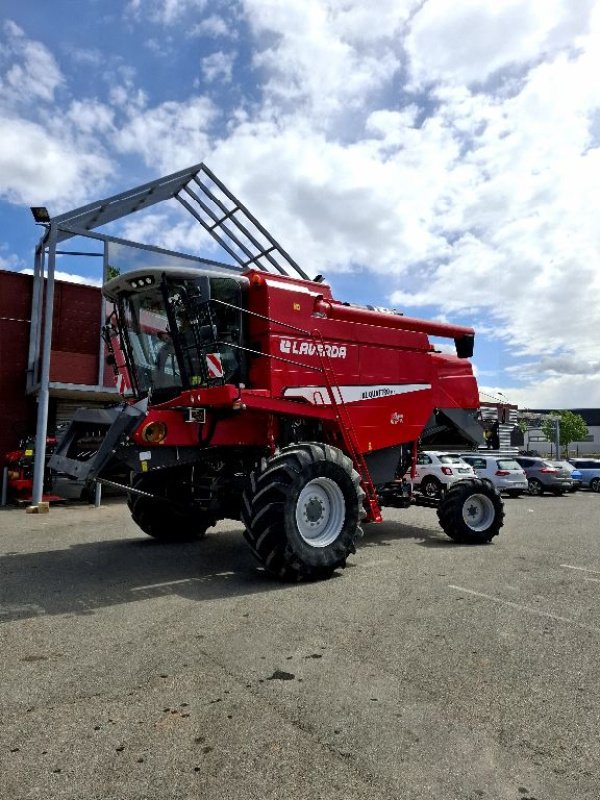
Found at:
(40, 214)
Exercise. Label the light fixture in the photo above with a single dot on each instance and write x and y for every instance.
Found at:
(154, 432)
(40, 214)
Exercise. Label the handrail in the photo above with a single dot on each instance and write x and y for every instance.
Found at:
(347, 429)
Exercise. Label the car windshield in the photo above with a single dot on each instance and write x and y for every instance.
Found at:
(448, 459)
(508, 463)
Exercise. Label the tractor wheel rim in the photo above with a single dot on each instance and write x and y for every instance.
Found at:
(320, 512)
(478, 512)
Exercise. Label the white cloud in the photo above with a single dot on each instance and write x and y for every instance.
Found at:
(218, 66)
(69, 277)
(47, 154)
(169, 136)
(170, 228)
(29, 71)
(564, 391)
(325, 57)
(163, 12)
(214, 26)
(9, 261)
(38, 168)
(467, 42)
(90, 116)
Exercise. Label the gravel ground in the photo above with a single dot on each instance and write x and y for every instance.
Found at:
(132, 669)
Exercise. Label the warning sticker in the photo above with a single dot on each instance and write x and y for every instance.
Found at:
(214, 364)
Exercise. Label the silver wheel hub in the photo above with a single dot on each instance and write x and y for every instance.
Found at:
(478, 512)
(320, 512)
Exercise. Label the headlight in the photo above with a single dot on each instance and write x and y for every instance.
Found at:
(154, 432)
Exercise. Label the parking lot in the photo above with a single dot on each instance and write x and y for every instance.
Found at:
(133, 669)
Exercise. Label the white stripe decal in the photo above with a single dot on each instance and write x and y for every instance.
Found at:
(318, 395)
(215, 367)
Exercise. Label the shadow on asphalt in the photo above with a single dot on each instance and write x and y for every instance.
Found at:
(84, 577)
(384, 534)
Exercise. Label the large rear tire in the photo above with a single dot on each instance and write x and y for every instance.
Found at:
(471, 512)
(172, 517)
(302, 512)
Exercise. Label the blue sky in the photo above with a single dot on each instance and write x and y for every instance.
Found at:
(438, 157)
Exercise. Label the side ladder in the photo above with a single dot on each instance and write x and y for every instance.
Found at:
(347, 430)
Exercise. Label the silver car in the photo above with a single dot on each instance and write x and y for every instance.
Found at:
(543, 477)
(504, 474)
(572, 471)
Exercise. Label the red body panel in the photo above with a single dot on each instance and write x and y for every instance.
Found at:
(388, 356)
(306, 345)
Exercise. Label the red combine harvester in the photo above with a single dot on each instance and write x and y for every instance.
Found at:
(257, 396)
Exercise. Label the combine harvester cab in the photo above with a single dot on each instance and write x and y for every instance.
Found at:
(257, 396)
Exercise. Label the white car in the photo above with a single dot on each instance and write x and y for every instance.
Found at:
(436, 471)
(505, 474)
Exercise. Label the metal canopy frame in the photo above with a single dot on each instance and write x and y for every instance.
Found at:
(248, 243)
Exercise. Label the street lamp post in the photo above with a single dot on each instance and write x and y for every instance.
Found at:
(556, 421)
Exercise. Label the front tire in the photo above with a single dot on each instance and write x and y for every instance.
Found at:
(171, 517)
(302, 512)
(471, 512)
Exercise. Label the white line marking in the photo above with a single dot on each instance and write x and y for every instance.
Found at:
(162, 585)
(592, 580)
(583, 569)
(520, 607)
(182, 580)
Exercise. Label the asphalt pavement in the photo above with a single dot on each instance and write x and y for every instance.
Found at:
(425, 670)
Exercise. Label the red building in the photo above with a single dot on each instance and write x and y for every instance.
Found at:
(77, 377)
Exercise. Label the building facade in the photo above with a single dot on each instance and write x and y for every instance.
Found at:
(77, 374)
(535, 440)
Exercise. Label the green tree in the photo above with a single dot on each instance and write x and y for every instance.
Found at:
(572, 428)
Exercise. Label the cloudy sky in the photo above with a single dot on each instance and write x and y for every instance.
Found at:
(438, 156)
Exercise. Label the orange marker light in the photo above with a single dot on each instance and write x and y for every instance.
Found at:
(154, 432)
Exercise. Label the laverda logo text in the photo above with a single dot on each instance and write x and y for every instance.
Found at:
(299, 348)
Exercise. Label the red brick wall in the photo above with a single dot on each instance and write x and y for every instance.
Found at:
(75, 345)
(16, 414)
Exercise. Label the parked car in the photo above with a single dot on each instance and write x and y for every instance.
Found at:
(590, 472)
(436, 471)
(573, 473)
(543, 477)
(504, 474)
